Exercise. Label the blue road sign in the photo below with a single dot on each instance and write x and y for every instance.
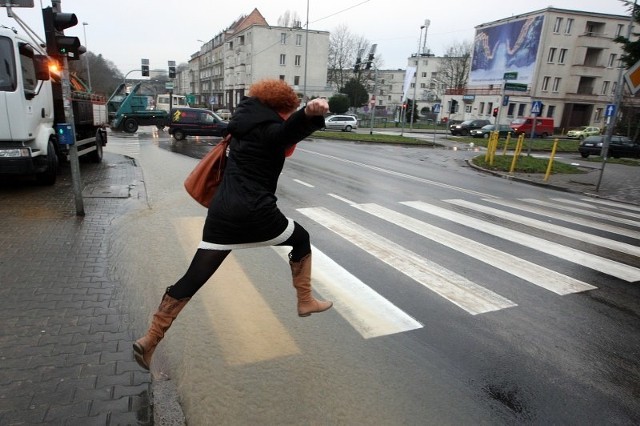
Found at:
(610, 110)
(536, 107)
(505, 100)
(436, 108)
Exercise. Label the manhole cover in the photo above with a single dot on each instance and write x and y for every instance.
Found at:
(106, 191)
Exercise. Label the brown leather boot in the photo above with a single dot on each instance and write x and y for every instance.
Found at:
(301, 273)
(168, 310)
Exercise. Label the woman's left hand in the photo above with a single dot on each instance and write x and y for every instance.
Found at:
(316, 107)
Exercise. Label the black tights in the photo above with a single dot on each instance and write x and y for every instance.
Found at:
(206, 262)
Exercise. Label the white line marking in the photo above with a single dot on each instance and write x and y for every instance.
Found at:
(303, 183)
(536, 274)
(403, 175)
(366, 310)
(453, 287)
(568, 218)
(598, 208)
(550, 227)
(613, 204)
(337, 197)
(587, 260)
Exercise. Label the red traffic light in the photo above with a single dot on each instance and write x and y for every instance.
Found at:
(495, 112)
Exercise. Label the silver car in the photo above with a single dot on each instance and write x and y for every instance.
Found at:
(345, 123)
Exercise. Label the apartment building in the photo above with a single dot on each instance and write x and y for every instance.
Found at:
(566, 59)
(224, 68)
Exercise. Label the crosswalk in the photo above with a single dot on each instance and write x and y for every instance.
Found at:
(602, 237)
(123, 145)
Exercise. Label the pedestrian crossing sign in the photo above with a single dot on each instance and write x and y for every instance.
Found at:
(536, 107)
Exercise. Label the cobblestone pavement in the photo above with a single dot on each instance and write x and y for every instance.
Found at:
(65, 343)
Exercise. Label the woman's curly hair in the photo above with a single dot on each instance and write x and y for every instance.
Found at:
(276, 94)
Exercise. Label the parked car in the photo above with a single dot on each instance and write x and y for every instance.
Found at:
(465, 127)
(485, 131)
(524, 125)
(583, 132)
(620, 146)
(345, 123)
(225, 114)
(195, 122)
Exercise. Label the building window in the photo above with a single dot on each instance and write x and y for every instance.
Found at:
(619, 30)
(567, 29)
(556, 84)
(521, 108)
(562, 56)
(296, 80)
(550, 111)
(557, 25)
(614, 86)
(489, 107)
(423, 85)
(298, 39)
(241, 40)
(605, 87)
(281, 77)
(297, 61)
(510, 110)
(283, 59)
(612, 60)
(424, 74)
(545, 83)
(552, 54)
(283, 38)
(598, 115)
(481, 108)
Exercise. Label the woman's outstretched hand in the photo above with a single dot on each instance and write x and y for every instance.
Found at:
(316, 107)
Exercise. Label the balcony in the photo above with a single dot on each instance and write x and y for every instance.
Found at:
(594, 40)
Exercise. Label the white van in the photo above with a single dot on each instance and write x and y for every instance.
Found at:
(179, 101)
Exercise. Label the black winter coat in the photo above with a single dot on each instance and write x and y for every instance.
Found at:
(244, 208)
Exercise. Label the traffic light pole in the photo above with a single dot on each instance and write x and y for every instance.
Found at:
(74, 162)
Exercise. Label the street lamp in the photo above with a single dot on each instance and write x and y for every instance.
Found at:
(415, 85)
(86, 56)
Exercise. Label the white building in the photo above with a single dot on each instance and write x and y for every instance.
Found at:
(566, 59)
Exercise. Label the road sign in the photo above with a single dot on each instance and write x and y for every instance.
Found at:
(610, 110)
(510, 75)
(516, 87)
(436, 108)
(168, 86)
(505, 100)
(536, 107)
(632, 77)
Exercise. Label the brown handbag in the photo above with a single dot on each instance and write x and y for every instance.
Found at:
(204, 180)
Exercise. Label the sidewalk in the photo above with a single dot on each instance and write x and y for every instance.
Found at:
(65, 343)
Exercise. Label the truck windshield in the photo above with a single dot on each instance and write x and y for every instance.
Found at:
(8, 80)
(519, 121)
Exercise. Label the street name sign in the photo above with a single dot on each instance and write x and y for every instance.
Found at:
(510, 76)
(516, 87)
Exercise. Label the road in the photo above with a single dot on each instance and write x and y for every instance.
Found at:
(459, 297)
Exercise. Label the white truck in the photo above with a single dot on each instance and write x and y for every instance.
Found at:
(31, 105)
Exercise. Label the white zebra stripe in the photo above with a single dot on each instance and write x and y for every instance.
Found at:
(453, 287)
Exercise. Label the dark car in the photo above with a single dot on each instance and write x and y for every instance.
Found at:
(195, 122)
(465, 127)
(485, 131)
(620, 146)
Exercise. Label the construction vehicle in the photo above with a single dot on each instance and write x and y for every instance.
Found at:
(128, 111)
(32, 108)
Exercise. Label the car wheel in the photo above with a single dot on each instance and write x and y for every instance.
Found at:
(584, 155)
(347, 129)
(178, 135)
(485, 135)
(130, 125)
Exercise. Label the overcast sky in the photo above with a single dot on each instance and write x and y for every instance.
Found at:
(124, 31)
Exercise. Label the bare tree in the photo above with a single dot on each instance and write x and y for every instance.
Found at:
(289, 19)
(455, 66)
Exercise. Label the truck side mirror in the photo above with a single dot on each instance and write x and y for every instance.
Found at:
(41, 64)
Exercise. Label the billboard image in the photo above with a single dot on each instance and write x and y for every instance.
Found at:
(508, 47)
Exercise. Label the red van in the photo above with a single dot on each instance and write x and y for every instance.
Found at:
(544, 126)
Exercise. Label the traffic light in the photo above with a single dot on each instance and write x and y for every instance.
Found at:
(57, 43)
(356, 67)
(172, 69)
(369, 62)
(145, 67)
(495, 112)
(454, 106)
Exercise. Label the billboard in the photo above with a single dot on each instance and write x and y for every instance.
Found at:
(509, 47)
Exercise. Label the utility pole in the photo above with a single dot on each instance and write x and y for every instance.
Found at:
(415, 85)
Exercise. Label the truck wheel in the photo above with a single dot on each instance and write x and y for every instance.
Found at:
(178, 134)
(48, 177)
(159, 127)
(130, 125)
(584, 155)
(96, 156)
